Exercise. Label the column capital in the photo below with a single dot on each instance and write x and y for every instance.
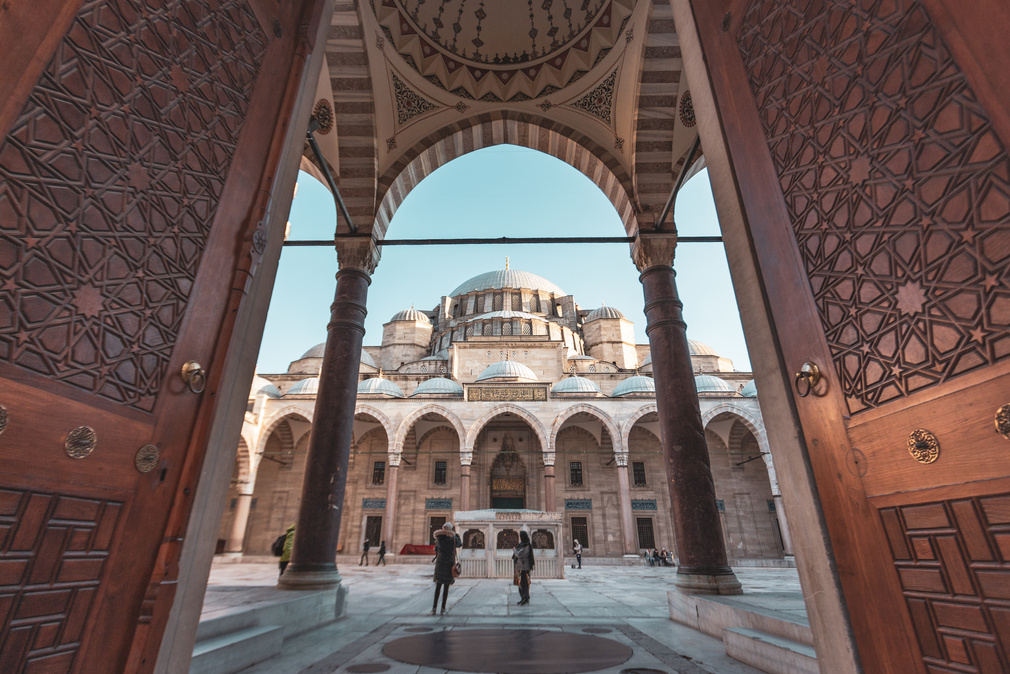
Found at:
(394, 459)
(622, 459)
(654, 249)
(549, 458)
(466, 458)
(359, 252)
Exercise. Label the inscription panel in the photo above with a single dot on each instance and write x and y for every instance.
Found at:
(953, 563)
(897, 186)
(499, 394)
(109, 182)
(52, 552)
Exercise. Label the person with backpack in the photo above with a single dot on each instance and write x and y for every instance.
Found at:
(287, 541)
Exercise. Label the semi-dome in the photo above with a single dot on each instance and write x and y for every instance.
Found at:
(379, 386)
(604, 312)
(507, 369)
(706, 383)
(410, 314)
(506, 278)
(437, 386)
(577, 385)
(637, 385)
(749, 390)
(261, 385)
(318, 350)
(309, 386)
(699, 349)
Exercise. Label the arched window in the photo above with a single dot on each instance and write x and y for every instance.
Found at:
(517, 302)
(480, 304)
(506, 328)
(535, 304)
(469, 331)
(527, 329)
(497, 301)
(488, 329)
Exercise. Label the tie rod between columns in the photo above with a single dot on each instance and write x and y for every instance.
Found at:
(502, 240)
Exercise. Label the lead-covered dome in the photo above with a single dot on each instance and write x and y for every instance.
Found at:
(577, 386)
(318, 350)
(699, 349)
(637, 385)
(706, 383)
(379, 386)
(302, 387)
(507, 369)
(506, 278)
(410, 314)
(749, 390)
(261, 385)
(437, 386)
(603, 312)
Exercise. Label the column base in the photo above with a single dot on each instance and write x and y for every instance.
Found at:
(294, 579)
(708, 583)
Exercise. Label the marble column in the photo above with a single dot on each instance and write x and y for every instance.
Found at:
(236, 536)
(392, 472)
(627, 520)
(787, 539)
(703, 565)
(549, 482)
(313, 559)
(465, 459)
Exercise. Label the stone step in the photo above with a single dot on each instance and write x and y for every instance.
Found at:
(780, 614)
(768, 652)
(234, 651)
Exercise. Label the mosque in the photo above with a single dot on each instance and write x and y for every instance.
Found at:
(506, 395)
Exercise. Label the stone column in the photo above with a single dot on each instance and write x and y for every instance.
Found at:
(627, 520)
(236, 537)
(549, 493)
(465, 459)
(387, 521)
(313, 560)
(703, 565)
(787, 539)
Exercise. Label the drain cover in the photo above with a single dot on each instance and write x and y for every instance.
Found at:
(368, 667)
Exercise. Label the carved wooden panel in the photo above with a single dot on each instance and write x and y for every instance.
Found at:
(52, 551)
(953, 562)
(109, 182)
(897, 187)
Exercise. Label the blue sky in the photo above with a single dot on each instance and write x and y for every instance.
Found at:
(499, 191)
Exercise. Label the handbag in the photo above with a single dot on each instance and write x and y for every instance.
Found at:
(515, 578)
(457, 569)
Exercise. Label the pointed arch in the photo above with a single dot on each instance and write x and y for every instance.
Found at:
(276, 418)
(525, 415)
(755, 425)
(378, 416)
(615, 434)
(633, 419)
(406, 424)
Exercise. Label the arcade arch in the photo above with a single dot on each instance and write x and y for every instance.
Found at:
(507, 446)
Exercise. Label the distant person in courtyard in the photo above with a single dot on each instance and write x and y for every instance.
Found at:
(649, 559)
(577, 548)
(522, 559)
(382, 554)
(364, 553)
(289, 542)
(445, 557)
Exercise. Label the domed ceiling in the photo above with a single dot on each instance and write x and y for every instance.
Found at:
(502, 50)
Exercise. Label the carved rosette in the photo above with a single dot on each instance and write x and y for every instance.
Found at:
(3, 419)
(1002, 421)
(923, 446)
(146, 459)
(80, 442)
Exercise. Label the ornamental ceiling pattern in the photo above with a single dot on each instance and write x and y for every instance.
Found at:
(503, 50)
(897, 186)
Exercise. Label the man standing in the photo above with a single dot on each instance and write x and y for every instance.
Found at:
(382, 554)
(364, 553)
(577, 547)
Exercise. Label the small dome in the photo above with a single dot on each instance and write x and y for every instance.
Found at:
(604, 312)
(699, 349)
(749, 390)
(577, 385)
(317, 352)
(303, 387)
(706, 383)
(438, 386)
(580, 357)
(368, 360)
(637, 385)
(261, 385)
(506, 278)
(379, 386)
(647, 361)
(410, 314)
(507, 369)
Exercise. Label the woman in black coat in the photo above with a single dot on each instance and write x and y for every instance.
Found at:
(522, 558)
(445, 557)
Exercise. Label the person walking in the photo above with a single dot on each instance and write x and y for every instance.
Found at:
(522, 559)
(382, 554)
(445, 558)
(577, 547)
(289, 542)
(364, 553)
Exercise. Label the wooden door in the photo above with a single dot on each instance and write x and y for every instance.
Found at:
(138, 144)
(867, 143)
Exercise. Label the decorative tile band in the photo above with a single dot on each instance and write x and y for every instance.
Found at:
(373, 504)
(438, 504)
(643, 504)
(578, 504)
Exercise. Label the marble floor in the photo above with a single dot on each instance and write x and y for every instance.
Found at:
(627, 605)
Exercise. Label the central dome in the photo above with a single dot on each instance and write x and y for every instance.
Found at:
(507, 369)
(506, 278)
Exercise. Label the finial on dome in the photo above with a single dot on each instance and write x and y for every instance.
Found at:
(507, 354)
(380, 373)
(506, 261)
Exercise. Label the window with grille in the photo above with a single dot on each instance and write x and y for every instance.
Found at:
(440, 472)
(469, 331)
(535, 304)
(379, 472)
(592, 368)
(373, 529)
(646, 537)
(527, 329)
(580, 531)
(575, 471)
(488, 329)
(480, 304)
(506, 328)
(424, 369)
(517, 302)
(497, 301)
(638, 468)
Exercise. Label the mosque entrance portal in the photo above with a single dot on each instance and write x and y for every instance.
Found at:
(508, 477)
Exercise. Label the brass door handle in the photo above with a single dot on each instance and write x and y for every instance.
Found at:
(807, 379)
(195, 376)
